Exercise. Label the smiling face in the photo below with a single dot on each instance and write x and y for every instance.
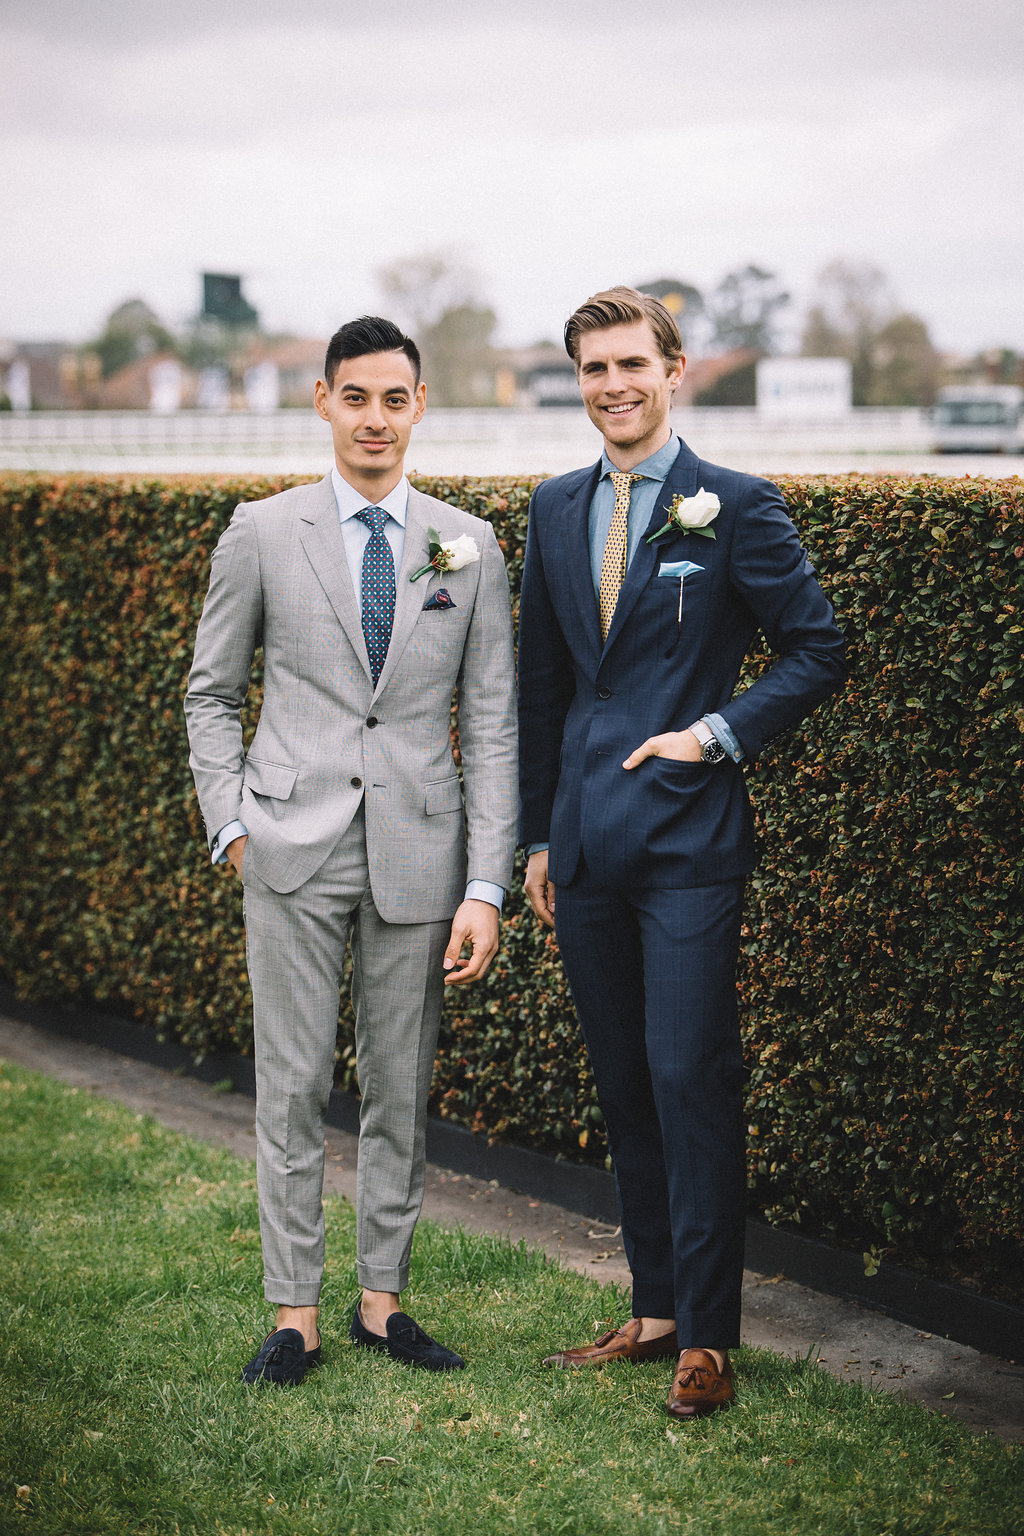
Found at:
(371, 408)
(627, 387)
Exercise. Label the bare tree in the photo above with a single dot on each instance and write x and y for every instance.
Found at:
(434, 296)
(744, 309)
(855, 315)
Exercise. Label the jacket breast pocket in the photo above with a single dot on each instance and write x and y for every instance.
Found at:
(271, 779)
(443, 795)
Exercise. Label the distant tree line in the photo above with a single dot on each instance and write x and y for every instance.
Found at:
(853, 313)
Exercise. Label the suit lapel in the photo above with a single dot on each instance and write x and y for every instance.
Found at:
(324, 544)
(409, 595)
(681, 480)
(577, 553)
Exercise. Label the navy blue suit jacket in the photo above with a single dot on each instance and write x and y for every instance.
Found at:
(584, 707)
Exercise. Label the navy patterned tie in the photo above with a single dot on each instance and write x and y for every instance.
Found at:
(378, 595)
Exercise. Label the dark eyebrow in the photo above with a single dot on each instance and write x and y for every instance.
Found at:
(623, 362)
(361, 389)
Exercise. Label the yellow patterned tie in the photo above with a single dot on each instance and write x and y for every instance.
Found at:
(613, 564)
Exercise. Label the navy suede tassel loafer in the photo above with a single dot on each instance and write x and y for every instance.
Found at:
(283, 1360)
(406, 1341)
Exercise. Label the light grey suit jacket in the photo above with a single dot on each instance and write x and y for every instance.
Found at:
(327, 737)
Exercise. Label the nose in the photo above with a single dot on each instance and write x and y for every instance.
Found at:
(615, 382)
(374, 419)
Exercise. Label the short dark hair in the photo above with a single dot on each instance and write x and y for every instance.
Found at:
(368, 334)
(623, 306)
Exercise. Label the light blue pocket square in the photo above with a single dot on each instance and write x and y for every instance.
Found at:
(677, 569)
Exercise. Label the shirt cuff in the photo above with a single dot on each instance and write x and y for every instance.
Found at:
(218, 853)
(532, 848)
(483, 890)
(723, 734)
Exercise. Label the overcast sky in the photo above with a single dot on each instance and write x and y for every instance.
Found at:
(554, 147)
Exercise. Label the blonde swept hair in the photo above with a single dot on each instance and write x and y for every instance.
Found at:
(623, 306)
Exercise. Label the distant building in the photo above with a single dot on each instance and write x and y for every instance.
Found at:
(48, 372)
(531, 376)
(707, 374)
(158, 383)
(299, 361)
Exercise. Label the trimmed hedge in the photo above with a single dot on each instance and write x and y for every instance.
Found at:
(881, 968)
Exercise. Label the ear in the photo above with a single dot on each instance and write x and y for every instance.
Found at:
(419, 402)
(320, 393)
(675, 373)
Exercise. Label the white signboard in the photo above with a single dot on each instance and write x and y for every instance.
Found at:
(19, 385)
(804, 388)
(213, 392)
(262, 387)
(165, 386)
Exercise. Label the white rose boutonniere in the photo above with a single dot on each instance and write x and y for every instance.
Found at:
(448, 557)
(691, 514)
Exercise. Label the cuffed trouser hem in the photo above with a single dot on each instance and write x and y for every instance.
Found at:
(648, 1302)
(285, 1293)
(375, 1277)
(708, 1330)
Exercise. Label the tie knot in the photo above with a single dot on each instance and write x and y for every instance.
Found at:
(373, 518)
(623, 482)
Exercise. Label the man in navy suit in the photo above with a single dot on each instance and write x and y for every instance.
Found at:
(647, 577)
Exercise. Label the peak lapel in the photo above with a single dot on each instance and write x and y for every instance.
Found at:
(325, 549)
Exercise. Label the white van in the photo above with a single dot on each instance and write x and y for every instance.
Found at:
(979, 418)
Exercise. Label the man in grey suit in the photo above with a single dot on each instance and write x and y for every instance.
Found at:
(346, 819)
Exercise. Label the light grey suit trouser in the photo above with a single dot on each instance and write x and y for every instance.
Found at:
(295, 949)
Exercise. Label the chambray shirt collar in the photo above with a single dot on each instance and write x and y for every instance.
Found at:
(350, 501)
(656, 467)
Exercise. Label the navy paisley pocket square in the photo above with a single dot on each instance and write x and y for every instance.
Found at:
(440, 599)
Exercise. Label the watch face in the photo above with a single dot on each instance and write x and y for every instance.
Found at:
(713, 752)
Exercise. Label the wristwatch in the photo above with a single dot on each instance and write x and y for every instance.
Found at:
(711, 749)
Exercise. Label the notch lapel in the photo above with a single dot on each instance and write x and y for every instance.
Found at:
(409, 595)
(324, 544)
(681, 480)
(577, 554)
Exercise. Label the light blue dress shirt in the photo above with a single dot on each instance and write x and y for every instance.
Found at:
(356, 536)
(641, 503)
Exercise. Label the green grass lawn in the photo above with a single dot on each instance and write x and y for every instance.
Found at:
(130, 1295)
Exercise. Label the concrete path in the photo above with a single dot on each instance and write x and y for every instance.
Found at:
(855, 1344)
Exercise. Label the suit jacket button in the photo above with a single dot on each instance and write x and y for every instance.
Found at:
(604, 693)
(372, 721)
(357, 783)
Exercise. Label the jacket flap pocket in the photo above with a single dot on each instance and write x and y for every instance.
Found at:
(271, 779)
(443, 795)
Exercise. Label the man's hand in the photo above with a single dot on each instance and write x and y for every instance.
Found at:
(677, 746)
(475, 924)
(539, 889)
(234, 851)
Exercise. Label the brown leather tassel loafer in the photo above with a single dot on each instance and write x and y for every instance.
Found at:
(618, 1344)
(699, 1386)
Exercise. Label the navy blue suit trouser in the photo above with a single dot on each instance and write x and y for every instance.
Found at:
(653, 977)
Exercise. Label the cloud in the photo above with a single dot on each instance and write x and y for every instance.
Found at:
(558, 145)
